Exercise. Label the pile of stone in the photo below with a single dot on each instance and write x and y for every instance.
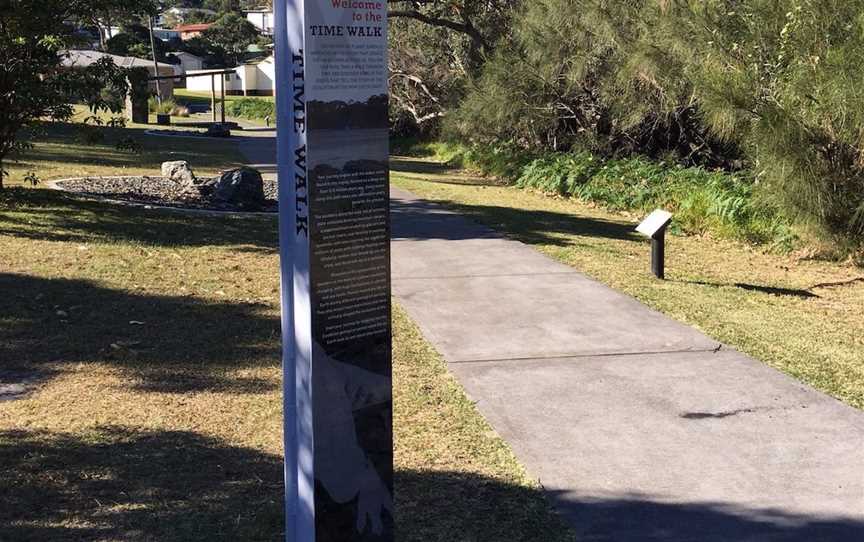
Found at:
(241, 188)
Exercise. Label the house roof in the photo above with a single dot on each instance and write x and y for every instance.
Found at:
(265, 60)
(81, 58)
(197, 27)
(188, 10)
(184, 54)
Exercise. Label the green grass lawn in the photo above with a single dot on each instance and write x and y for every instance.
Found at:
(147, 346)
(799, 315)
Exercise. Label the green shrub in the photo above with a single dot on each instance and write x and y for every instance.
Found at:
(563, 174)
(704, 201)
(411, 146)
(166, 107)
(627, 184)
(251, 108)
(128, 144)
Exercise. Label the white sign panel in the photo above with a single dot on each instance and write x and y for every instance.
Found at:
(654, 222)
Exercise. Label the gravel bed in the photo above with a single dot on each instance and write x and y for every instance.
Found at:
(157, 191)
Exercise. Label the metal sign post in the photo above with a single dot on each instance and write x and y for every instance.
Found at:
(654, 226)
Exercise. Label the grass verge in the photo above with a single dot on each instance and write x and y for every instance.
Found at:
(727, 205)
(798, 315)
(144, 348)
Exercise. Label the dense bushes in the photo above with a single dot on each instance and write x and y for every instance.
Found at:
(713, 201)
(769, 88)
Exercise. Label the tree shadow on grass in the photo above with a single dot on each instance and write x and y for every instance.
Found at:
(771, 290)
(53, 216)
(420, 220)
(424, 170)
(115, 483)
(165, 343)
(466, 506)
(62, 142)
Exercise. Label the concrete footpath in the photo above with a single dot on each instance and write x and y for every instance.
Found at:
(639, 427)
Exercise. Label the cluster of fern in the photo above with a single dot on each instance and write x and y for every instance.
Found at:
(704, 201)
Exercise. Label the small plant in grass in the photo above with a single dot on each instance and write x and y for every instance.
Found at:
(128, 144)
(90, 134)
(32, 179)
(116, 122)
(91, 131)
(165, 107)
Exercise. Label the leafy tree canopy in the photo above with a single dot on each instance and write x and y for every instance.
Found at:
(771, 85)
(231, 33)
(33, 83)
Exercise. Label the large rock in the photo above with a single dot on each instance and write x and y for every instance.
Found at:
(218, 130)
(179, 172)
(243, 188)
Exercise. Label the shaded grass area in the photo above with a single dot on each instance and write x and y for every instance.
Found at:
(60, 150)
(801, 316)
(145, 350)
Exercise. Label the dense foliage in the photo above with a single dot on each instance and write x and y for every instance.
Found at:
(767, 86)
(134, 40)
(251, 108)
(231, 33)
(33, 83)
(436, 48)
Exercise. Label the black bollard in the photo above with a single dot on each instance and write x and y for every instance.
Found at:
(658, 253)
(654, 226)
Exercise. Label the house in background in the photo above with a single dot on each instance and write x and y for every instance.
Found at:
(166, 34)
(184, 62)
(78, 58)
(189, 31)
(252, 79)
(179, 15)
(262, 18)
(188, 62)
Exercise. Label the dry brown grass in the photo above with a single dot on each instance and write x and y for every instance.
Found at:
(149, 343)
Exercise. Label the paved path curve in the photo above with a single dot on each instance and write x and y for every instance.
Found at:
(640, 428)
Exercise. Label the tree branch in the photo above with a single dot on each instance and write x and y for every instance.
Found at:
(464, 28)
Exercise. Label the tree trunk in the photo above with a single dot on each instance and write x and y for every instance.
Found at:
(2, 173)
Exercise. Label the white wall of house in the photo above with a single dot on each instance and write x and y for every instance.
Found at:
(166, 34)
(188, 62)
(266, 82)
(249, 80)
(231, 81)
(180, 14)
(262, 19)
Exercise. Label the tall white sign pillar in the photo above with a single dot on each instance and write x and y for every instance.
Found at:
(334, 226)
